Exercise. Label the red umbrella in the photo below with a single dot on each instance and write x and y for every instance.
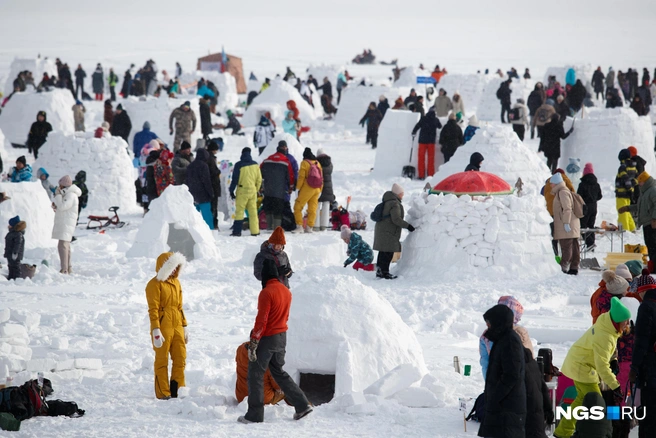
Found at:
(473, 183)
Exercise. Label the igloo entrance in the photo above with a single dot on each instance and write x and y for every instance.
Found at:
(318, 388)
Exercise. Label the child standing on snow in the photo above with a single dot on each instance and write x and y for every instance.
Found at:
(358, 250)
(590, 191)
(43, 176)
(14, 246)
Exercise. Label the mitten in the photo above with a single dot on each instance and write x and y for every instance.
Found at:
(252, 350)
(411, 228)
(567, 228)
(158, 339)
(615, 367)
(186, 335)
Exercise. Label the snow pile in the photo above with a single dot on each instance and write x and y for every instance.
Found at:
(395, 143)
(36, 66)
(356, 100)
(599, 137)
(29, 201)
(174, 206)
(274, 99)
(21, 110)
(293, 147)
(583, 72)
(157, 111)
(4, 157)
(505, 235)
(345, 328)
(14, 340)
(505, 156)
(224, 82)
(110, 173)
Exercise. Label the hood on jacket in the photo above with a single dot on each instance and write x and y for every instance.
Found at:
(168, 262)
(81, 176)
(291, 105)
(476, 159)
(42, 113)
(264, 121)
(324, 160)
(558, 187)
(501, 320)
(246, 155)
(73, 188)
(390, 196)
(20, 226)
(202, 155)
(146, 126)
(288, 112)
(42, 171)
(514, 305)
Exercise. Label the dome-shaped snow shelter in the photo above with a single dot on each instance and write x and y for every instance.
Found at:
(274, 100)
(345, 329)
(473, 183)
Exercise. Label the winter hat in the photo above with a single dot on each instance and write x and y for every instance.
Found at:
(397, 189)
(623, 271)
(346, 232)
(65, 181)
(119, 107)
(246, 150)
(212, 146)
(643, 177)
(624, 155)
(105, 126)
(146, 125)
(21, 159)
(615, 284)
(269, 271)
(646, 281)
(557, 178)
(618, 311)
(520, 100)
(320, 152)
(588, 169)
(632, 150)
(635, 267)
(185, 145)
(514, 305)
(382, 97)
(308, 155)
(278, 237)
(473, 121)
(186, 103)
(14, 220)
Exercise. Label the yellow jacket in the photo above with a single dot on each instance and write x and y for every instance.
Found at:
(589, 358)
(303, 173)
(250, 180)
(164, 293)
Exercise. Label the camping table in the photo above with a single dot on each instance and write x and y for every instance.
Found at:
(610, 235)
(553, 387)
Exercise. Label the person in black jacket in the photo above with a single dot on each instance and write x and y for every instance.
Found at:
(38, 133)
(205, 117)
(383, 105)
(535, 100)
(598, 82)
(613, 98)
(475, 162)
(643, 362)
(427, 127)
(327, 97)
(638, 106)
(79, 81)
(562, 107)
(327, 196)
(590, 191)
(150, 190)
(121, 126)
(411, 99)
(199, 180)
(550, 137)
(505, 386)
(14, 246)
(277, 184)
(576, 96)
(539, 412)
(503, 94)
(127, 82)
(215, 176)
(451, 138)
(372, 117)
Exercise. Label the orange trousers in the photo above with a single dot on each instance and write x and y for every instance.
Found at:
(426, 148)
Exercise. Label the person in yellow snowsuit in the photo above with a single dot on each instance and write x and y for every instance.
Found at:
(309, 186)
(168, 325)
(245, 184)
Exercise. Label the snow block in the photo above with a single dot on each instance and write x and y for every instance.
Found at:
(41, 365)
(22, 351)
(417, 398)
(28, 319)
(88, 364)
(10, 330)
(399, 378)
(395, 143)
(13, 363)
(64, 365)
(4, 315)
(59, 343)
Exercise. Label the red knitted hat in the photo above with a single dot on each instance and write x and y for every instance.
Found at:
(277, 237)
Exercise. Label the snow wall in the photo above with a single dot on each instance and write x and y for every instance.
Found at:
(36, 66)
(345, 328)
(21, 110)
(110, 173)
(489, 106)
(293, 147)
(502, 236)
(603, 133)
(394, 143)
(583, 72)
(320, 71)
(174, 206)
(274, 99)
(225, 83)
(356, 100)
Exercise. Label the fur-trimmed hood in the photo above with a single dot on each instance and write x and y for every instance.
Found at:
(20, 226)
(167, 263)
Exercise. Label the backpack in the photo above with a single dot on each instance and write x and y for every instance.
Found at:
(377, 214)
(314, 178)
(478, 411)
(514, 114)
(578, 205)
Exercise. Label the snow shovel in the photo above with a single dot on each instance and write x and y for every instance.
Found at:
(410, 171)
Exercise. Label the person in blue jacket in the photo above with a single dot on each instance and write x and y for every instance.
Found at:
(358, 250)
(289, 125)
(570, 77)
(142, 138)
(22, 172)
(204, 90)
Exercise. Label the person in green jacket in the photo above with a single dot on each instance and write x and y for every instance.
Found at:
(113, 80)
(588, 360)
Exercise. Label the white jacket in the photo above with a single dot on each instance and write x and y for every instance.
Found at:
(459, 107)
(66, 202)
(523, 114)
(263, 135)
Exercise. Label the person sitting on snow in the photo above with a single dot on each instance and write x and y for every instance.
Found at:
(272, 392)
(21, 172)
(358, 250)
(14, 246)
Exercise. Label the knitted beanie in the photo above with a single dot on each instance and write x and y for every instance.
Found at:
(557, 178)
(588, 169)
(623, 271)
(646, 281)
(346, 232)
(635, 267)
(397, 189)
(615, 284)
(14, 220)
(618, 311)
(278, 237)
(65, 181)
(632, 150)
(514, 305)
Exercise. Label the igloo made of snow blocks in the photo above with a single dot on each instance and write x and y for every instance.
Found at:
(601, 134)
(224, 82)
(109, 169)
(355, 102)
(274, 100)
(345, 329)
(174, 208)
(37, 66)
(20, 112)
(503, 236)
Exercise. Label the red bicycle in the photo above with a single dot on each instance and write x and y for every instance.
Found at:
(97, 222)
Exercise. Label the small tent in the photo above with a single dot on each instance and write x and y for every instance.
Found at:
(214, 62)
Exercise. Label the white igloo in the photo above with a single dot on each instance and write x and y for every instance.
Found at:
(157, 111)
(29, 201)
(293, 147)
(395, 143)
(469, 86)
(340, 327)
(602, 133)
(502, 236)
(505, 156)
(320, 71)
(355, 102)
(110, 173)
(583, 72)
(37, 66)
(175, 207)
(225, 83)
(408, 77)
(489, 105)
(274, 99)
(21, 110)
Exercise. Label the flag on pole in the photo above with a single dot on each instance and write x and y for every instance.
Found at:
(224, 60)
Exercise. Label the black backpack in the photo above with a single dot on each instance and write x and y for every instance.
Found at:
(513, 114)
(377, 214)
(478, 411)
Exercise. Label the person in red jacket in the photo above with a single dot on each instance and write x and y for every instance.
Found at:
(267, 348)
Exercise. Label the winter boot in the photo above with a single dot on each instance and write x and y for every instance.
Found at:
(573, 272)
(299, 415)
(237, 227)
(389, 276)
(298, 229)
(243, 420)
(308, 230)
(174, 389)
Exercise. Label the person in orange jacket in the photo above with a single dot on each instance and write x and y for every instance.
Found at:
(168, 324)
(272, 392)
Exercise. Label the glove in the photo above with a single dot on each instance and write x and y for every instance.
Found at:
(567, 228)
(252, 350)
(411, 228)
(232, 196)
(345, 264)
(615, 367)
(186, 335)
(618, 397)
(549, 417)
(625, 209)
(570, 130)
(633, 376)
(158, 339)
(171, 133)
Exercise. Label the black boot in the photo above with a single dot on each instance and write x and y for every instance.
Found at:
(174, 389)
(237, 227)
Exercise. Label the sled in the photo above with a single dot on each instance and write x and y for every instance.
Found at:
(98, 222)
